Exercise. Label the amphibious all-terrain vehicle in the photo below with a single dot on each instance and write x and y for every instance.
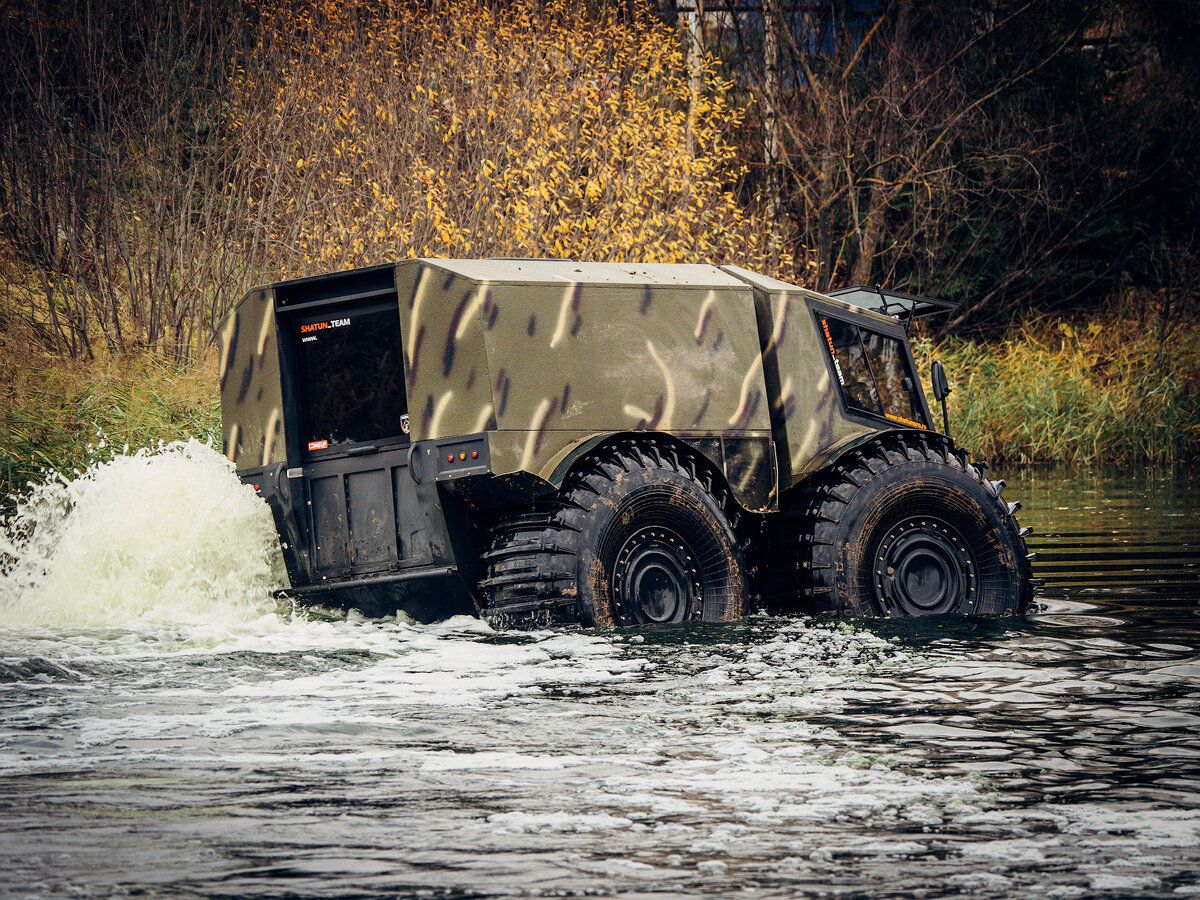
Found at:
(544, 441)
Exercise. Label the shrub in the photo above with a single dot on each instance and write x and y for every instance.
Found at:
(517, 130)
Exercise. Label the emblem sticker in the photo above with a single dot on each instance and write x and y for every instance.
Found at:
(404, 423)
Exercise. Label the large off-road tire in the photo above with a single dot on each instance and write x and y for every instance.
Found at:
(640, 534)
(907, 526)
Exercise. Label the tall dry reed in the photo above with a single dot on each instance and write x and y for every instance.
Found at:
(1104, 392)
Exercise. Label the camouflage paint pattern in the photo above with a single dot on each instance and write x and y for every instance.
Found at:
(545, 365)
(810, 427)
(252, 426)
(446, 367)
(546, 356)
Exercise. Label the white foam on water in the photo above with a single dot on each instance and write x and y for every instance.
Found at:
(524, 823)
(164, 551)
(165, 536)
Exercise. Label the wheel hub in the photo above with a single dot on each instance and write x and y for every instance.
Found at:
(923, 567)
(655, 578)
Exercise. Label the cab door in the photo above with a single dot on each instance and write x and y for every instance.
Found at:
(362, 511)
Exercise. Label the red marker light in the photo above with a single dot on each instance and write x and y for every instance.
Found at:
(450, 458)
(474, 454)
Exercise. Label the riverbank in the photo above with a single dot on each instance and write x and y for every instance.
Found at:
(1104, 392)
(1094, 393)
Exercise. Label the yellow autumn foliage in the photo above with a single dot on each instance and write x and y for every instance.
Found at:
(377, 131)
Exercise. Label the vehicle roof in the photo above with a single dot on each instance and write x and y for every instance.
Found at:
(563, 270)
(766, 282)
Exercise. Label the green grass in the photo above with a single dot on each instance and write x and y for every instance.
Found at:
(59, 409)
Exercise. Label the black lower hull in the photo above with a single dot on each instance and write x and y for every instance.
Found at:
(429, 594)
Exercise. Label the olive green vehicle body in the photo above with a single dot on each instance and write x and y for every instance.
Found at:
(513, 370)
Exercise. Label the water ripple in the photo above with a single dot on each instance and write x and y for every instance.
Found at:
(278, 755)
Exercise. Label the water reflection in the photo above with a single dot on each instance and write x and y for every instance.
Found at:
(1053, 753)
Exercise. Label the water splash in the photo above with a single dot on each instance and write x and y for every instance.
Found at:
(165, 536)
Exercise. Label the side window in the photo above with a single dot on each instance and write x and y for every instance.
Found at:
(851, 364)
(872, 369)
(889, 365)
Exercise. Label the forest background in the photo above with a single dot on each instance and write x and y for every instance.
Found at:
(1038, 162)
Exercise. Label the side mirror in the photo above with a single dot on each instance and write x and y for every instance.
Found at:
(941, 389)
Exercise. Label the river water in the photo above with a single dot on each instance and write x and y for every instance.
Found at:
(165, 730)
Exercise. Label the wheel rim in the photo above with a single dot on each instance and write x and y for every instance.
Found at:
(923, 567)
(655, 578)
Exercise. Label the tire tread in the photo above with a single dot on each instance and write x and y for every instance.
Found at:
(531, 576)
(804, 536)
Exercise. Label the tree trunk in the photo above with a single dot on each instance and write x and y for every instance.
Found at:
(772, 153)
(695, 41)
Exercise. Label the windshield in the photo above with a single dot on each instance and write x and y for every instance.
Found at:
(873, 371)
